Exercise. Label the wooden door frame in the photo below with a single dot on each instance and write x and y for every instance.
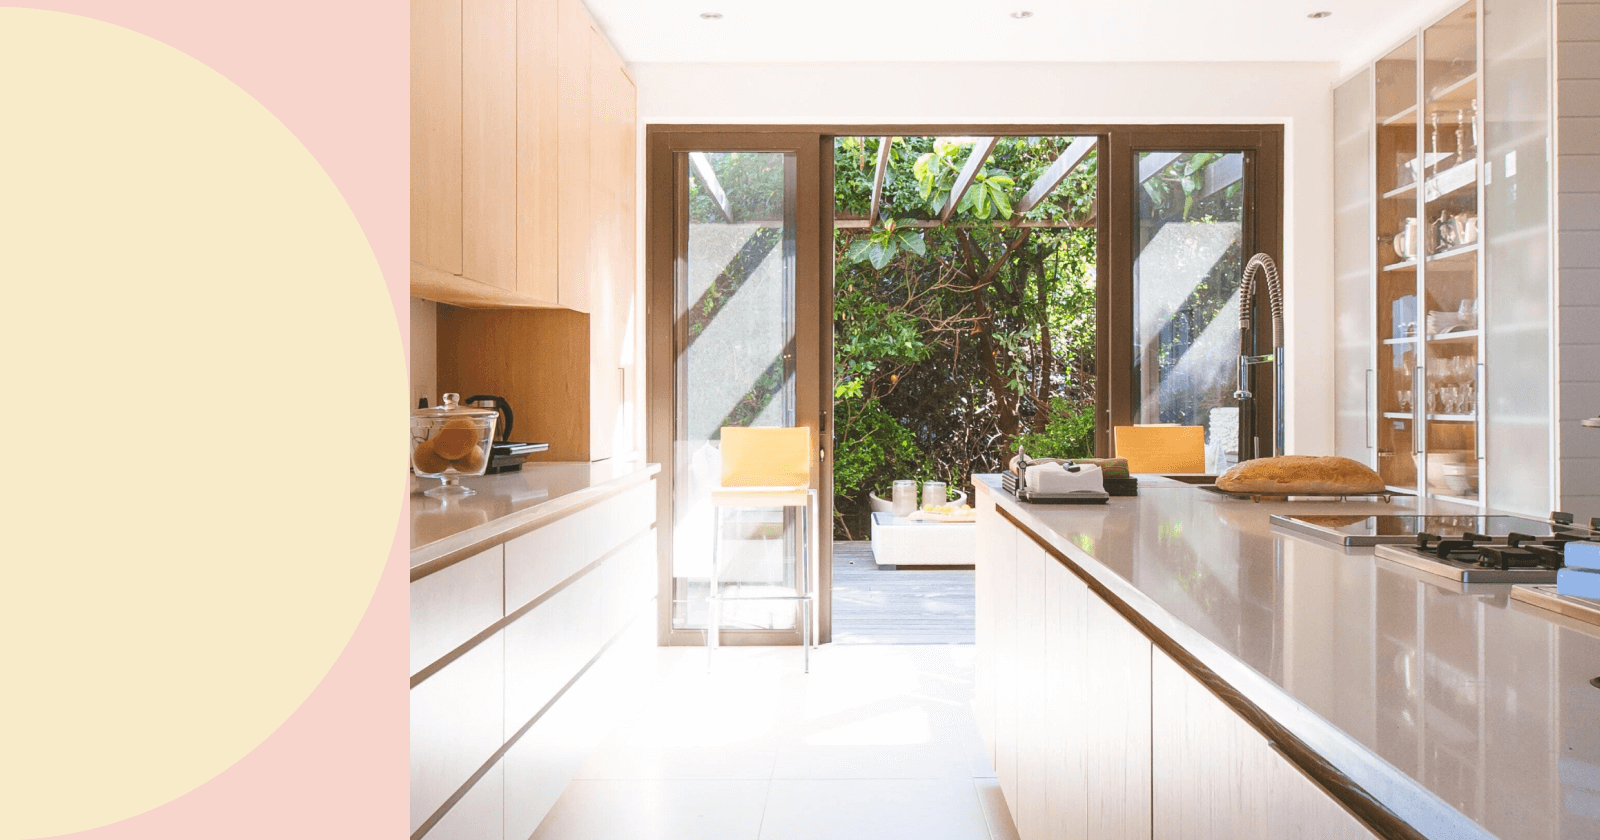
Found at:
(1114, 307)
(1262, 146)
(665, 203)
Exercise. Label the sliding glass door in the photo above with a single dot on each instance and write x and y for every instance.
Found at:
(740, 249)
(743, 352)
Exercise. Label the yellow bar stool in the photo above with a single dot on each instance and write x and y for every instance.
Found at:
(765, 467)
(1161, 448)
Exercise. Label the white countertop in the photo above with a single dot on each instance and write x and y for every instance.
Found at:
(1425, 692)
(510, 503)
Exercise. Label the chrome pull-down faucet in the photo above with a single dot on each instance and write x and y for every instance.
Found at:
(1249, 443)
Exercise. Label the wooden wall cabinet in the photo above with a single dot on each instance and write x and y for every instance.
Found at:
(436, 135)
(523, 199)
(517, 115)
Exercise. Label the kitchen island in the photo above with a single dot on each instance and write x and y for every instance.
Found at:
(1172, 665)
(527, 599)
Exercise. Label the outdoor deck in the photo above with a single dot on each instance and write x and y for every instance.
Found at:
(905, 607)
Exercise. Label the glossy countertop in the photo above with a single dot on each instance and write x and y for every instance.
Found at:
(1466, 713)
(508, 504)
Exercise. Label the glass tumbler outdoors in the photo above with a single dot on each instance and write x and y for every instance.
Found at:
(904, 498)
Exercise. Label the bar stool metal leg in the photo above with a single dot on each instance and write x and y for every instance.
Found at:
(804, 583)
(713, 599)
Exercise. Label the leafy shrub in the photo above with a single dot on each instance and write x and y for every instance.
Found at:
(1068, 433)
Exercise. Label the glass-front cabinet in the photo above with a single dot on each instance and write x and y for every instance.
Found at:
(1448, 112)
(1428, 267)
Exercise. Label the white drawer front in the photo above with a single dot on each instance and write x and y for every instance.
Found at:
(620, 517)
(454, 604)
(541, 559)
(546, 647)
(457, 722)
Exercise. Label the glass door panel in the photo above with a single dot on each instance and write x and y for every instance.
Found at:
(1188, 255)
(1450, 300)
(736, 365)
(1516, 136)
(1399, 170)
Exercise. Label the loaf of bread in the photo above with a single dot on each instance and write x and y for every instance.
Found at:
(1303, 475)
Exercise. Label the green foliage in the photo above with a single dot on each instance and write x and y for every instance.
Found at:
(953, 342)
(752, 183)
(879, 445)
(1067, 433)
(883, 244)
(936, 173)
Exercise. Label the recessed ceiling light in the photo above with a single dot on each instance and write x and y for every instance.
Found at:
(1319, 15)
(711, 16)
(1022, 15)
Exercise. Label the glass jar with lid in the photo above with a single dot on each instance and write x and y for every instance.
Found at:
(449, 441)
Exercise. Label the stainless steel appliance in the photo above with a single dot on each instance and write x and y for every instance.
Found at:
(1480, 558)
(1387, 528)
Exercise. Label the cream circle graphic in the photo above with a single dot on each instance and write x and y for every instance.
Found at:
(202, 434)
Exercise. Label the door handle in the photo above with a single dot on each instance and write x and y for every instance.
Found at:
(1366, 409)
(1419, 409)
(1478, 401)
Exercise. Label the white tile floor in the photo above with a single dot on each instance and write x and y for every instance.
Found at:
(878, 742)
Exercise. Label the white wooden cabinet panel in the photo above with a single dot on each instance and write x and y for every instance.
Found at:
(454, 604)
(991, 529)
(1116, 723)
(547, 647)
(1032, 665)
(1097, 734)
(629, 581)
(1004, 560)
(457, 722)
(1216, 778)
(538, 560)
(478, 815)
(617, 519)
(1066, 599)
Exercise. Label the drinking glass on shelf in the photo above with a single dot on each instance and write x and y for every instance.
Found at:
(1405, 399)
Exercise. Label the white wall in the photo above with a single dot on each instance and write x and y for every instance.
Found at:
(424, 351)
(1297, 95)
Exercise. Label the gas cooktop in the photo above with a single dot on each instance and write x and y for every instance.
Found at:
(1479, 558)
(1361, 530)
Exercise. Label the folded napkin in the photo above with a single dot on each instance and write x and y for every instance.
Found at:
(1580, 583)
(1058, 479)
(1583, 555)
(1109, 467)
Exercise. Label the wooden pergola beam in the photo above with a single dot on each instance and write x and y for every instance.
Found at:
(1053, 175)
(700, 165)
(1222, 173)
(1154, 162)
(980, 153)
(878, 174)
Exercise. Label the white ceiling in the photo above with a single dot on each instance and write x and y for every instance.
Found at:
(983, 30)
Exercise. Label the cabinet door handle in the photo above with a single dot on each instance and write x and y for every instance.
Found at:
(1419, 409)
(1367, 412)
(1478, 402)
